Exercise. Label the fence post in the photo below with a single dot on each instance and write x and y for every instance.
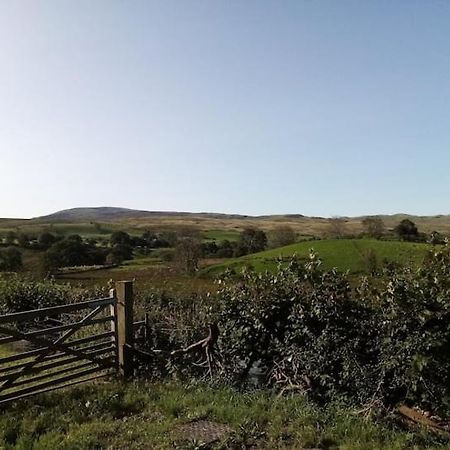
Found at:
(124, 327)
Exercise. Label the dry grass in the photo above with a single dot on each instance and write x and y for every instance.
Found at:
(307, 226)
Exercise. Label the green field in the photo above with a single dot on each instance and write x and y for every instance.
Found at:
(344, 254)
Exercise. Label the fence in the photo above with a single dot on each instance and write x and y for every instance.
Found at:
(67, 344)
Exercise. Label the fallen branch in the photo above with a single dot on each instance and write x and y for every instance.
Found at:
(206, 344)
(421, 418)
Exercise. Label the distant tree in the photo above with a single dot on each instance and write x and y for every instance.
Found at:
(209, 249)
(46, 240)
(10, 259)
(170, 237)
(407, 230)
(251, 240)
(225, 249)
(282, 235)
(119, 253)
(436, 238)
(337, 227)
(149, 236)
(10, 238)
(72, 251)
(23, 239)
(187, 254)
(120, 237)
(374, 226)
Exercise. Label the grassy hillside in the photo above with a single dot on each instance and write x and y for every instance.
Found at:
(344, 254)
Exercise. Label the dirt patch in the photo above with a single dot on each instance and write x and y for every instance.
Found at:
(203, 431)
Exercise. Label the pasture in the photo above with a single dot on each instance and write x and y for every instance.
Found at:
(343, 254)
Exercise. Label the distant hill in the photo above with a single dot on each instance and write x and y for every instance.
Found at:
(98, 213)
(112, 213)
(135, 220)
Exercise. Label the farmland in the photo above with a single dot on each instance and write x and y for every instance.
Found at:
(343, 254)
(268, 313)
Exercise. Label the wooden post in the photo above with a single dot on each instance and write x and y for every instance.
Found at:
(124, 327)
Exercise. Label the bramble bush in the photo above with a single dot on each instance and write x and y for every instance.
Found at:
(380, 339)
(386, 340)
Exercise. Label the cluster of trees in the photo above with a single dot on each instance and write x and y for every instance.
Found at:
(74, 251)
(406, 230)
(189, 249)
(251, 240)
(24, 240)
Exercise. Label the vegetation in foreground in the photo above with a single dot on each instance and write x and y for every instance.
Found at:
(150, 415)
(341, 347)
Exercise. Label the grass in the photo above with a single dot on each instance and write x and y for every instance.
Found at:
(145, 415)
(344, 254)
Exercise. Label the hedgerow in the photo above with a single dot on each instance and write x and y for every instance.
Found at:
(381, 339)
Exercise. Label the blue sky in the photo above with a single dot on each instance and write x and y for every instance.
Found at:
(257, 107)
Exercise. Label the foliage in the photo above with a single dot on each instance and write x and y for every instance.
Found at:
(300, 325)
(282, 235)
(374, 226)
(10, 259)
(337, 227)
(21, 295)
(414, 317)
(72, 251)
(46, 240)
(10, 238)
(407, 230)
(306, 327)
(251, 240)
(187, 254)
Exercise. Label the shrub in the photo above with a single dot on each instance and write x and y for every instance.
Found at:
(10, 259)
(21, 295)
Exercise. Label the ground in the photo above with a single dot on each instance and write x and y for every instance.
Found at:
(146, 415)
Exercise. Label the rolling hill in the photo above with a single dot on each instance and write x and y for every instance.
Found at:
(344, 254)
(86, 220)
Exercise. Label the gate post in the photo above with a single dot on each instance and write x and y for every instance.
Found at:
(124, 327)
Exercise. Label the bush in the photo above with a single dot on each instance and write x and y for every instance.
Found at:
(300, 325)
(387, 341)
(20, 295)
(10, 259)
(72, 251)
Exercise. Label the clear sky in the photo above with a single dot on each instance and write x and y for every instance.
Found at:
(258, 107)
